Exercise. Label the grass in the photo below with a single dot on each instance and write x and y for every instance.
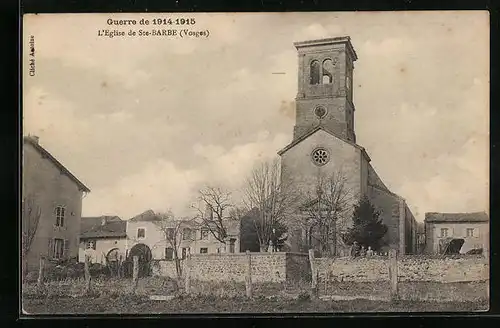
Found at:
(115, 296)
(131, 304)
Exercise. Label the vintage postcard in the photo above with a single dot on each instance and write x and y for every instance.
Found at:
(255, 162)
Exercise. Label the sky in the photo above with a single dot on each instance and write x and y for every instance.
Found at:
(144, 122)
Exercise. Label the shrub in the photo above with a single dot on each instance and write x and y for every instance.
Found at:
(303, 297)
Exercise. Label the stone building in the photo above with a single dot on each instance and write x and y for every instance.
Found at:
(58, 194)
(104, 238)
(324, 143)
(144, 230)
(473, 228)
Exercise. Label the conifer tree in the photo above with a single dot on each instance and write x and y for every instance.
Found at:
(367, 229)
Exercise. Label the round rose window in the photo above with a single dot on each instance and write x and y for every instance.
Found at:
(320, 156)
(320, 112)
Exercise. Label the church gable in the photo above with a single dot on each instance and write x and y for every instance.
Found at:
(321, 153)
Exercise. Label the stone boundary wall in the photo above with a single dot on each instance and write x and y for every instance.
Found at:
(447, 269)
(293, 267)
(414, 268)
(265, 267)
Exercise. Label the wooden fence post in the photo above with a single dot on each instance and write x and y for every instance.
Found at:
(87, 274)
(393, 273)
(314, 273)
(135, 274)
(248, 276)
(40, 273)
(187, 274)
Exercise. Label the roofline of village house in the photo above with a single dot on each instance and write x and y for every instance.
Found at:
(58, 164)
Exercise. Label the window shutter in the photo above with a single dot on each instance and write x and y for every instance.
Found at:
(50, 252)
(66, 248)
(475, 232)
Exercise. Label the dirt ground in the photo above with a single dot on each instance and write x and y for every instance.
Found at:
(209, 304)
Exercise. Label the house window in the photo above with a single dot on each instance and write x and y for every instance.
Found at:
(444, 232)
(169, 253)
(203, 250)
(204, 234)
(141, 233)
(58, 248)
(91, 244)
(314, 72)
(170, 233)
(218, 250)
(185, 252)
(470, 232)
(60, 214)
(186, 234)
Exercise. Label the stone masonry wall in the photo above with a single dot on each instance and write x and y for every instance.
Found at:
(348, 269)
(410, 268)
(438, 269)
(266, 267)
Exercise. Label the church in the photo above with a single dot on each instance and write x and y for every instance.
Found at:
(324, 144)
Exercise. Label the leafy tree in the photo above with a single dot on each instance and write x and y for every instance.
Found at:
(367, 228)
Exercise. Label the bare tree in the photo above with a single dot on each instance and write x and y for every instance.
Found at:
(31, 213)
(272, 199)
(324, 209)
(214, 210)
(172, 229)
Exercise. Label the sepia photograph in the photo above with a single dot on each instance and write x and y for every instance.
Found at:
(255, 163)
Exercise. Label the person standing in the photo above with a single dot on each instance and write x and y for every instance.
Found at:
(362, 251)
(355, 249)
(369, 252)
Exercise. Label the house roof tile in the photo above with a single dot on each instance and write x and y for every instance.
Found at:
(456, 217)
(103, 227)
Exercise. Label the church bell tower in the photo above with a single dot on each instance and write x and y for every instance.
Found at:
(324, 95)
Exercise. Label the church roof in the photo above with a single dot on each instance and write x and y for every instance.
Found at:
(314, 130)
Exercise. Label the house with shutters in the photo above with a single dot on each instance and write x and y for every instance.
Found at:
(473, 228)
(103, 239)
(147, 234)
(57, 195)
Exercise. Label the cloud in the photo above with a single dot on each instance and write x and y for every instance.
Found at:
(318, 31)
(205, 110)
(388, 46)
(162, 185)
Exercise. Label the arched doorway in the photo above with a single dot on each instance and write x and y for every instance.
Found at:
(145, 256)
